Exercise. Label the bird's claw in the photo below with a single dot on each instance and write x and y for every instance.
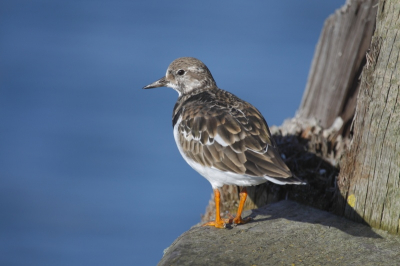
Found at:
(215, 224)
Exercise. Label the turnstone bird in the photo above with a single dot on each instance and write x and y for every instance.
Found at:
(222, 137)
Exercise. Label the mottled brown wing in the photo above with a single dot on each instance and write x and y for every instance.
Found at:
(230, 139)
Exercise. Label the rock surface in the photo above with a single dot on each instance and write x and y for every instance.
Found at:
(286, 233)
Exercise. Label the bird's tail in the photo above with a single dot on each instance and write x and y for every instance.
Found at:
(292, 180)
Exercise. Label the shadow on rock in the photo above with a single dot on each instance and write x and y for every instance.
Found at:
(293, 211)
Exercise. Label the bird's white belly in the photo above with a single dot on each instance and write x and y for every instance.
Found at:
(216, 177)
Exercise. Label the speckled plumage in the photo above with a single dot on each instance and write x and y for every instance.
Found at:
(224, 138)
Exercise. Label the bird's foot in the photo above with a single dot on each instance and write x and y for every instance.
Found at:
(216, 224)
(237, 220)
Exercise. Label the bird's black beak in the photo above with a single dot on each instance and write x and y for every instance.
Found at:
(162, 82)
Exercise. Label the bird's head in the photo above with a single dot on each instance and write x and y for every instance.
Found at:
(185, 75)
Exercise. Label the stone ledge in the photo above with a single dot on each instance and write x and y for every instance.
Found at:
(286, 233)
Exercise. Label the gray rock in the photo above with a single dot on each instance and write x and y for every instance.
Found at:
(286, 233)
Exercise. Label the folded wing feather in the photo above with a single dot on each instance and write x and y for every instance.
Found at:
(230, 139)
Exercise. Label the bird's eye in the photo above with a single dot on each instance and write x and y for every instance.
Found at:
(180, 72)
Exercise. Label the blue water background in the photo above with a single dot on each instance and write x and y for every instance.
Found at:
(89, 170)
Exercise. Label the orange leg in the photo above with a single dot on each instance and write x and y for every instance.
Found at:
(238, 219)
(218, 223)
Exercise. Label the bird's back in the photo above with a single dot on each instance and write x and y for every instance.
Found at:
(217, 130)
